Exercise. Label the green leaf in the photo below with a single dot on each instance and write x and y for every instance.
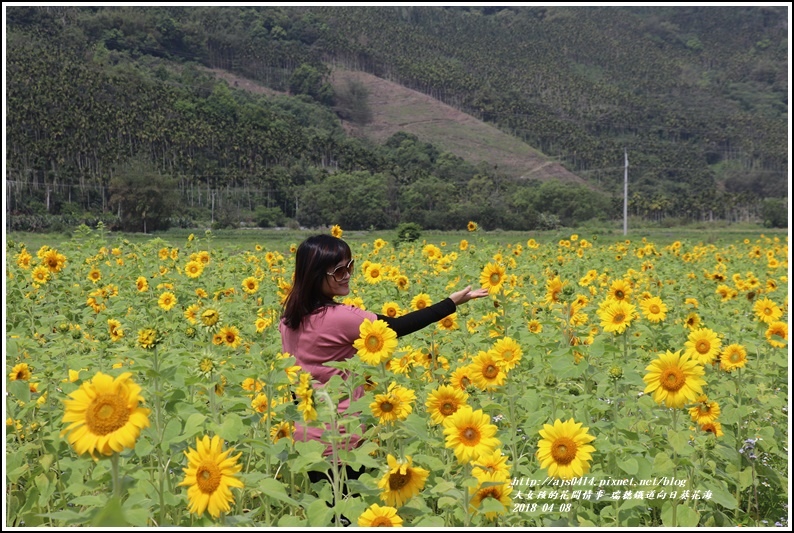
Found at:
(231, 429)
(679, 440)
(491, 505)
(443, 487)
(721, 496)
(319, 514)
(171, 433)
(430, 521)
(193, 425)
(685, 516)
(630, 466)
(111, 515)
(275, 489)
(662, 464)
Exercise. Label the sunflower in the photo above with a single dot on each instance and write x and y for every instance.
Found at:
(733, 356)
(674, 379)
(115, 330)
(202, 257)
(491, 463)
(461, 378)
(615, 315)
(94, 275)
(104, 416)
(444, 402)
(554, 288)
(210, 318)
(703, 345)
(692, 321)
(420, 301)
(715, 428)
(210, 474)
(280, 431)
(376, 342)
(509, 351)
(565, 449)
(166, 301)
(487, 371)
(767, 311)
(449, 322)
(54, 261)
(464, 245)
(377, 516)
(705, 411)
(619, 290)
(497, 488)
(394, 405)
(777, 334)
(305, 394)
(653, 309)
(471, 226)
(492, 277)
(163, 254)
(23, 259)
(193, 269)
(391, 309)
(40, 275)
(217, 339)
(261, 324)
(142, 284)
(20, 372)
(259, 403)
(231, 336)
(401, 482)
(148, 337)
(336, 231)
(534, 326)
(402, 282)
(470, 434)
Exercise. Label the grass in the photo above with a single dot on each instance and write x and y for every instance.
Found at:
(281, 239)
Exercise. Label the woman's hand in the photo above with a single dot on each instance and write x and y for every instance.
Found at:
(464, 295)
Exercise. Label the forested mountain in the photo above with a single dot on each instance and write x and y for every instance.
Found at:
(110, 110)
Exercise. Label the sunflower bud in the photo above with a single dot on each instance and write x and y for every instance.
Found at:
(615, 373)
(550, 381)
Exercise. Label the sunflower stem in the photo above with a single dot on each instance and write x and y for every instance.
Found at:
(738, 439)
(466, 474)
(675, 468)
(114, 472)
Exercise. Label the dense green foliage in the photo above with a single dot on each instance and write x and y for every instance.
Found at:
(699, 95)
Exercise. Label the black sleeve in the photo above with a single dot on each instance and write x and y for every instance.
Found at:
(416, 320)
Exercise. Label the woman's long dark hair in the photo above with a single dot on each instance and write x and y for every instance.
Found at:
(316, 256)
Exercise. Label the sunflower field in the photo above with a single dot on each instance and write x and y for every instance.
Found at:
(599, 385)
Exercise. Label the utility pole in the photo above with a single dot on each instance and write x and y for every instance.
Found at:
(626, 193)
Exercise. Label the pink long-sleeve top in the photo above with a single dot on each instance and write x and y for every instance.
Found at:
(326, 335)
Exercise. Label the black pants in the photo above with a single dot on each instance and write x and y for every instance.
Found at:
(315, 476)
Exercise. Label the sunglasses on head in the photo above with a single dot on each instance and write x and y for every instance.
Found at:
(339, 272)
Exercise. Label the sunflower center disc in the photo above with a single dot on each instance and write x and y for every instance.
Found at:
(447, 408)
(673, 379)
(373, 343)
(387, 407)
(470, 436)
(494, 278)
(106, 414)
(619, 318)
(655, 309)
(398, 481)
(490, 371)
(208, 477)
(563, 451)
(735, 357)
(703, 347)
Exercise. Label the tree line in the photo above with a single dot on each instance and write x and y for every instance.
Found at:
(107, 112)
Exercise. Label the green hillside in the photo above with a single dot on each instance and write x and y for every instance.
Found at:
(493, 103)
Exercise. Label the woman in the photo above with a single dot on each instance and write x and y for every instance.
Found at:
(315, 329)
